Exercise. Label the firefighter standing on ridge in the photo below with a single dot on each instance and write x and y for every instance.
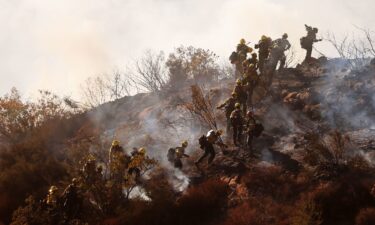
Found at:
(264, 45)
(239, 56)
(308, 41)
(279, 47)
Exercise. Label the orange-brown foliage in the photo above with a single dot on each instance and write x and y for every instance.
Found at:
(365, 216)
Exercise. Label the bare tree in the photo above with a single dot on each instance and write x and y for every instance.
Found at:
(100, 89)
(370, 40)
(226, 70)
(150, 72)
(118, 85)
(356, 50)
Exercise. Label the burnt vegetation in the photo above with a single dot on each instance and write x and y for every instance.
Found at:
(49, 141)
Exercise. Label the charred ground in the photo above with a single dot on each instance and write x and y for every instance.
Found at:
(313, 164)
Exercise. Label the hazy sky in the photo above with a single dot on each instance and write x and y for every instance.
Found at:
(57, 44)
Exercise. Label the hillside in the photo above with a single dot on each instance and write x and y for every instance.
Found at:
(313, 164)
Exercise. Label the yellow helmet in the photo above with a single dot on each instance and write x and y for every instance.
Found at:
(242, 41)
(184, 144)
(234, 94)
(75, 181)
(238, 81)
(142, 151)
(115, 143)
(53, 189)
(251, 66)
(219, 132)
(263, 38)
(237, 105)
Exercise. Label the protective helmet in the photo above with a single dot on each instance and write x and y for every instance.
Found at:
(242, 41)
(115, 143)
(237, 105)
(238, 81)
(285, 35)
(263, 38)
(251, 66)
(75, 181)
(142, 151)
(184, 144)
(219, 132)
(53, 189)
(91, 160)
(254, 55)
(234, 94)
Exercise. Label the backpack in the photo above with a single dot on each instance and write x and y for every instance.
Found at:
(202, 141)
(258, 129)
(233, 58)
(303, 42)
(171, 155)
(236, 117)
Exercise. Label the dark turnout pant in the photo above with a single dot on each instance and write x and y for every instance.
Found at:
(208, 151)
(308, 53)
(237, 134)
(249, 141)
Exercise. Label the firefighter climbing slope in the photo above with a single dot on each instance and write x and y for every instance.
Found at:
(175, 155)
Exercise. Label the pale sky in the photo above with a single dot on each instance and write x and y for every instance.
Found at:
(57, 44)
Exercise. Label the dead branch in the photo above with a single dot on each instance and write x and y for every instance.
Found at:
(201, 107)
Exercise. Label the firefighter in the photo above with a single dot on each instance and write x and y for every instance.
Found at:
(207, 144)
(253, 129)
(264, 45)
(253, 60)
(136, 164)
(228, 105)
(118, 161)
(89, 171)
(240, 91)
(250, 81)
(308, 41)
(180, 153)
(242, 50)
(250, 126)
(278, 50)
(176, 154)
(239, 56)
(52, 204)
(237, 124)
(71, 200)
(52, 198)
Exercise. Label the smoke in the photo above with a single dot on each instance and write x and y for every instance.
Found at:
(279, 117)
(60, 44)
(150, 121)
(347, 98)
